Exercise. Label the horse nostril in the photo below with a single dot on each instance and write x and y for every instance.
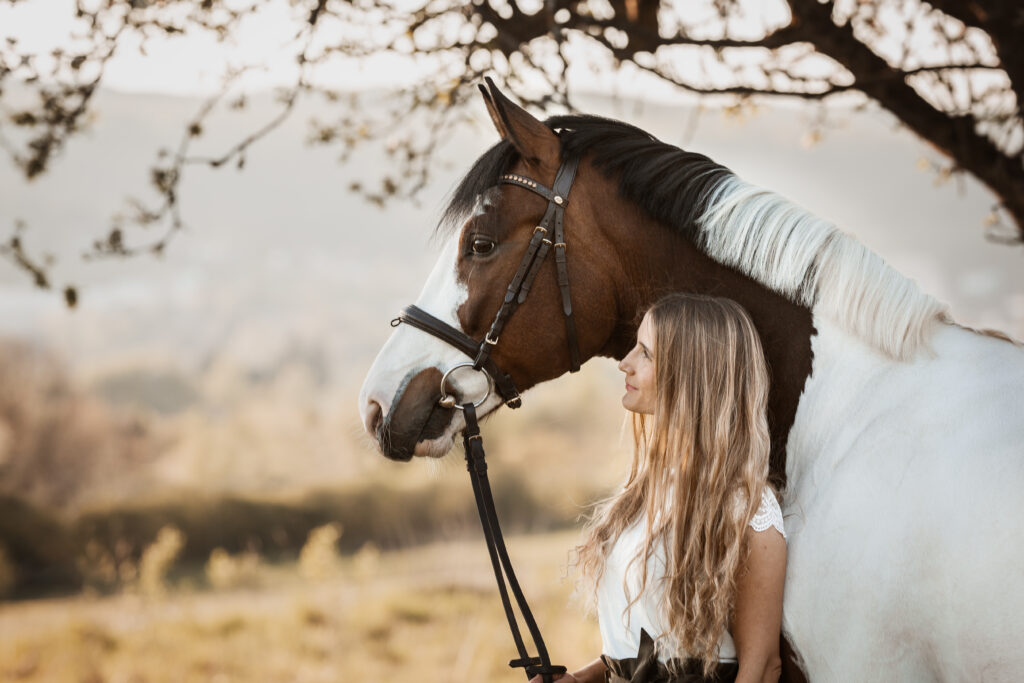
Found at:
(373, 418)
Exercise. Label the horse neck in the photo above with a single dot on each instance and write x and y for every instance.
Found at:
(663, 261)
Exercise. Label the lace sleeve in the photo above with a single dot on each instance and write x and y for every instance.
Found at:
(768, 514)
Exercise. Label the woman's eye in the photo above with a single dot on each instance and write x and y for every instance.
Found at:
(482, 246)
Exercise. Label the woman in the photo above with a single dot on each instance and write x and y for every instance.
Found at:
(687, 561)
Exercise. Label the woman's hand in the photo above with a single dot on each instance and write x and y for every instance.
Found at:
(591, 673)
(564, 678)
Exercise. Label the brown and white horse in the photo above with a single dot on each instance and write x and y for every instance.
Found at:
(899, 434)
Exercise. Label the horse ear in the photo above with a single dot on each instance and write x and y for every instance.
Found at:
(536, 143)
(499, 125)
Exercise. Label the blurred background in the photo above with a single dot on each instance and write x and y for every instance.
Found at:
(205, 239)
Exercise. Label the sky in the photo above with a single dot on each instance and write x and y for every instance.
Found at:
(195, 64)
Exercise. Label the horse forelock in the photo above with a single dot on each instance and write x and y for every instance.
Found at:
(481, 176)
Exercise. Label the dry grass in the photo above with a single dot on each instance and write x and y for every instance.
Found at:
(426, 614)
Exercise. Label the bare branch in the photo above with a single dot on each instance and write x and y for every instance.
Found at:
(14, 251)
(963, 93)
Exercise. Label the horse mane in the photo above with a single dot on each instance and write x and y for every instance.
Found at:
(758, 232)
(808, 260)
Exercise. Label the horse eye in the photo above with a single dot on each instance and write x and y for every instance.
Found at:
(482, 246)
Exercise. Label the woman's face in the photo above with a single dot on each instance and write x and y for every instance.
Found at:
(639, 368)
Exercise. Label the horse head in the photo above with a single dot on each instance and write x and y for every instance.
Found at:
(643, 218)
(490, 226)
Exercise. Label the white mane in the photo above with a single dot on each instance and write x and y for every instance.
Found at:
(808, 260)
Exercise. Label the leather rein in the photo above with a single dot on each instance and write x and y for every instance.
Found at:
(548, 234)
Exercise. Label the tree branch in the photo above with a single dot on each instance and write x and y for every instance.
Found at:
(643, 39)
(955, 135)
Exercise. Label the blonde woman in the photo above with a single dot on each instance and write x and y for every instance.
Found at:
(687, 560)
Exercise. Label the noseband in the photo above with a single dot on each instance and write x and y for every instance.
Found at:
(549, 234)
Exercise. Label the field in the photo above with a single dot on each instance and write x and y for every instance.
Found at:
(236, 538)
(424, 614)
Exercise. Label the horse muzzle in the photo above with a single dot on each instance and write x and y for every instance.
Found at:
(417, 424)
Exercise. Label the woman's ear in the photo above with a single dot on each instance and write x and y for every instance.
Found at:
(537, 144)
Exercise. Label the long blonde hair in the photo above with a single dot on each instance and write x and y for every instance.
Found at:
(699, 467)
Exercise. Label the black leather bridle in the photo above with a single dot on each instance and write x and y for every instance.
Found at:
(548, 234)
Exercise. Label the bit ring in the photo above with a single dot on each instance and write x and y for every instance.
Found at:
(448, 401)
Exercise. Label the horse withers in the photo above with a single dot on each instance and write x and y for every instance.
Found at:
(896, 433)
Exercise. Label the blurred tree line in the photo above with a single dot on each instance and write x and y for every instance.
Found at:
(951, 72)
(59, 445)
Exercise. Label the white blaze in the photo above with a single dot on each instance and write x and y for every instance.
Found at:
(410, 351)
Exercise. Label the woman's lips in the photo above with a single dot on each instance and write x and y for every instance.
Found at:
(630, 387)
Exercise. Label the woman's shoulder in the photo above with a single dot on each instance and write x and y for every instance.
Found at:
(769, 513)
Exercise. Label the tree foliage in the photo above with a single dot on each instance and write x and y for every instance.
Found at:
(952, 72)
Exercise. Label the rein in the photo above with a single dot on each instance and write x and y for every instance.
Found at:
(548, 234)
(503, 571)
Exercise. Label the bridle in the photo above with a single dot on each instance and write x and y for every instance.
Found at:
(548, 234)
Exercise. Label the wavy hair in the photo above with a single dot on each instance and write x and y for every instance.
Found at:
(699, 468)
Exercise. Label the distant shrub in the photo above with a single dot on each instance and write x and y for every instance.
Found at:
(157, 560)
(106, 546)
(319, 557)
(224, 570)
(60, 442)
(98, 567)
(8, 574)
(37, 544)
(366, 560)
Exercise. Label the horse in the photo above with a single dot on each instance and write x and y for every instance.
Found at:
(896, 433)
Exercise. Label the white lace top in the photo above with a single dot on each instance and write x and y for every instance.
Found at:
(620, 629)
